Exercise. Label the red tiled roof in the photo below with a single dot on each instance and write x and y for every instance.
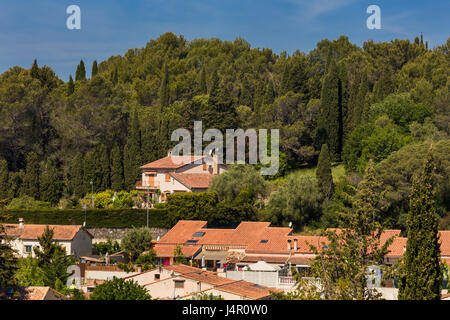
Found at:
(444, 237)
(171, 162)
(167, 250)
(397, 247)
(194, 180)
(35, 293)
(207, 277)
(182, 231)
(33, 231)
(247, 289)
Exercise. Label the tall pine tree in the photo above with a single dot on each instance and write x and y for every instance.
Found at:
(132, 153)
(323, 173)
(32, 176)
(94, 71)
(70, 86)
(51, 184)
(4, 178)
(117, 182)
(420, 276)
(35, 70)
(331, 113)
(76, 176)
(164, 88)
(80, 74)
(203, 88)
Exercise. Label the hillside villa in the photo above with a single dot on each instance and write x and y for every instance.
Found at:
(177, 174)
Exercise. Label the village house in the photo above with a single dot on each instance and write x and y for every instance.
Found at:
(177, 174)
(185, 282)
(76, 240)
(31, 293)
(259, 253)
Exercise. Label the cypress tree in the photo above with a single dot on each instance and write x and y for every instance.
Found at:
(4, 177)
(103, 164)
(285, 81)
(8, 261)
(80, 74)
(32, 176)
(420, 276)
(331, 113)
(117, 182)
(323, 173)
(94, 69)
(70, 86)
(91, 172)
(76, 176)
(34, 70)
(115, 76)
(15, 184)
(132, 153)
(203, 88)
(51, 184)
(245, 98)
(164, 88)
(269, 95)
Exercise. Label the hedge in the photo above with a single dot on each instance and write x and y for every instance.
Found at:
(95, 218)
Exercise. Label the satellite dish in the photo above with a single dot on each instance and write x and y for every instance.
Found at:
(290, 224)
(84, 224)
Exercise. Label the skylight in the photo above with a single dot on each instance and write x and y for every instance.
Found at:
(192, 241)
(199, 234)
(264, 241)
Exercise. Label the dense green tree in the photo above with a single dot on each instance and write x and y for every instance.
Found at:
(77, 184)
(8, 261)
(245, 98)
(51, 184)
(34, 72)
(4, 180)
(420, 275)
(164, 88)
(32, 176)
(323, 173)
(229, 184)
(119, 289)
(117, 182)
(203, 87)
(136, 241)
(269, 95)
(132, 155)
(331, 114)
(29, 273)
(80, 73)
(297, 201)
(94, 69)
(70, 86)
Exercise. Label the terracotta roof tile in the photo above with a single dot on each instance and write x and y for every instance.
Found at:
(171, 162)
(182, 231)
(166, 250)
(247, 289)
(33, 231)
(194, 180)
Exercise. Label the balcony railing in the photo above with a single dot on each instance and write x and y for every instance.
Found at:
(145, 185)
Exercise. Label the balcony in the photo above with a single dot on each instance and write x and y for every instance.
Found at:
(145, 185)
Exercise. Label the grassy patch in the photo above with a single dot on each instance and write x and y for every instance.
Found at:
(338, 171)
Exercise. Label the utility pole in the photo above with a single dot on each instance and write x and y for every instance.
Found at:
(92, 193)
(148, 195)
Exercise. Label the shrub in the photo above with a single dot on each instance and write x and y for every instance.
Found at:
(27, 202)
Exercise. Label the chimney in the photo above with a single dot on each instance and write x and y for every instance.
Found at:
(21, 225)
(169, 153)
(215, 164)
(295, 244)
(289, 244)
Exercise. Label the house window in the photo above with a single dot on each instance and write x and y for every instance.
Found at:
(157, 276)
(167, 177)
(28, 249)
(179, 284)
(163, 196)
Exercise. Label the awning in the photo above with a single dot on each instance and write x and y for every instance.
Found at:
(213, 255)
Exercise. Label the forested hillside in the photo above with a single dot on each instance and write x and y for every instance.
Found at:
(363, 102)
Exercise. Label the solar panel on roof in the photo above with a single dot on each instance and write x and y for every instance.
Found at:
(192, 241)
(258, 286)
(199, 234)
(264, 241)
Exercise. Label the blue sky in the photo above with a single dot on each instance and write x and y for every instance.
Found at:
(37, 29)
